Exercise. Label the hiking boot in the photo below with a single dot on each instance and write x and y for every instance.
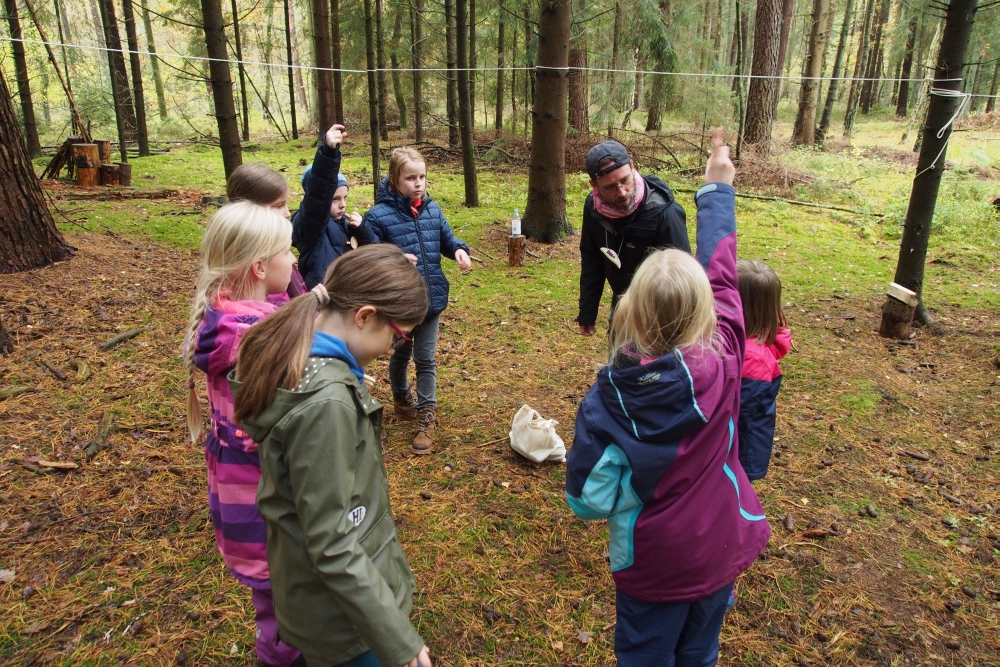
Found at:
(405, 404)
(424, 439)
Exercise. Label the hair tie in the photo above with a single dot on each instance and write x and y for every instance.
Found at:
(321, 294)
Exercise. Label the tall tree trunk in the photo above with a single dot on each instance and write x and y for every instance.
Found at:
(417, 41)
(31, 140)
(838, 68)
(545, 215)
(805, 123)
(63, 24)
(244, 102)
(161, 99)
(513, 77)
(738, 79)
(973, 85)
(222, 85)
(903, 95)
(992, 100)
(660, 86)
(465, 105)
(142, 135)
(501, 24)
(874, 69)
(472, 60)
(290, 65)
(579, 97)
(268, 50)
(931, 162)
(323, 53)
(28, 234)
(335, 62)
(124, 110)
(95, 17)
(299, 82)
(859, 69)
(613, 76)
(383, 126)
(763, 88)
(373, 128)
(787, 17)
(452, 57)
(397, 84)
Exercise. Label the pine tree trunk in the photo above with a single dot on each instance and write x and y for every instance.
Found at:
(787, 17)
(874, 69)
(299, 82)
(397, 84)
(973, 103)
(903, 96)
(323, 53)
(951, 61)
(417, 41)
(244, 102)
(545, 215)
(859, 69)
(465, 105)
(290, 66)
(373, 128)
(142, 134)
(124, 110)
(23, 86)
(28, 235)
(452, 57)
(579, 95)
(383, 124)
(805, 123)
(501, 25)
(838, 68)
(335, 62)
(222, 85)
(472, 60)
(161, 99)
(992, 101)
(763, 90)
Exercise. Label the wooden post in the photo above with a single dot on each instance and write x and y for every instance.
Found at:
(104, 149)
(109, 174)
(124, 173)
(515, 250)
(86, 177)
(897, 312)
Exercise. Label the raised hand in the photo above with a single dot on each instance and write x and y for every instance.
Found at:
(354, 219)
(335, 135)
(720, 168)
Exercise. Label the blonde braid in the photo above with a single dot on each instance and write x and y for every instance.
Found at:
(198, 307)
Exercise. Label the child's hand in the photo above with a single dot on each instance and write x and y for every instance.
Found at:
(354, 219)
(423, 659)
(410, 256)
(462, 257)
(335, 135)
(720, 168)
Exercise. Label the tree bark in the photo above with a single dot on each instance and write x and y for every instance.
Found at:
(135, 64)
(869, 91)
(299, 83)
(335, 62)
(501, 25)
(931, 162)
(472, 60)
(787, 16)
(763, 90)
(383, 127)
(465, 105)
(290, 65)
(64, 33)
(417, 41)
(992, 101)
(545, 216)
(373, 127)
(28, 234)
(838, 68)
(161, 99)
(244, 102)
(579, 95)
(31, 140)
(124, 110)
(452, 57)
(323, 53)
(397, 84)
(222, 85)
(805, 123)
(903, 96)
(859, 69)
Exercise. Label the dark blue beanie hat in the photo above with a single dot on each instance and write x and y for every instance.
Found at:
(307, 176)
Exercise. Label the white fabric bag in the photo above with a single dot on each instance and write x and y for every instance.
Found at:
(535, 438)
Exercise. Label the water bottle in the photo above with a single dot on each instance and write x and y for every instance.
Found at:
(515, 224)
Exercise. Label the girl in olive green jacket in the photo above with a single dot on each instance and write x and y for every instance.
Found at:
(341, 583)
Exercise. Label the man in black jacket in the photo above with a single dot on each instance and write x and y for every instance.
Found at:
(625, 217)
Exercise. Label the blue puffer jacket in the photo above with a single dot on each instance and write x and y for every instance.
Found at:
(319, 238)
(428, 236)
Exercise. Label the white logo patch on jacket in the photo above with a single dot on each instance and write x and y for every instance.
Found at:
(357, 515)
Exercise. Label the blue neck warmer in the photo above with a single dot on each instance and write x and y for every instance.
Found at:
(325, 345)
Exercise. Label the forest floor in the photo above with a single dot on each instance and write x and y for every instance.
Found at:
(883, 495)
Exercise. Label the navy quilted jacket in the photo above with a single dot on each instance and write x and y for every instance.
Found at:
(428, 236)
(319, 238)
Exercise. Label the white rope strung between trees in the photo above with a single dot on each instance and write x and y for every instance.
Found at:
(962, 106)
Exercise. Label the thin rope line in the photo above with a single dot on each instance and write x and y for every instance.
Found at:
(946, 92)
(717, 75)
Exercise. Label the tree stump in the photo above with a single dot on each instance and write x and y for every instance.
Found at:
(109, 174)
(897, 312)
(86, 155)
(87, 177)
(124, 173)
(515, 250)
(104, 150)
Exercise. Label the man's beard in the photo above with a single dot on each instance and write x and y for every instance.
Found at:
(626, 206)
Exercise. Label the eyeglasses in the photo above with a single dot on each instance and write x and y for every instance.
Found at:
(401, 338)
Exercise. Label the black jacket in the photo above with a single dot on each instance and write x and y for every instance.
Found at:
(659, 222)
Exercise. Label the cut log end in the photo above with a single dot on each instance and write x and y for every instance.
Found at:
(516, 247)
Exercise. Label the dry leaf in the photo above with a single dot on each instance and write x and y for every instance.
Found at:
(36, 627)
(584, 636)
(7, 575)
(557, 646)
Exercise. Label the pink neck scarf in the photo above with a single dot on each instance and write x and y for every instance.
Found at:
(609, 211)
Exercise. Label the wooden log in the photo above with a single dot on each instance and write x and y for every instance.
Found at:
(104, 150)
(109, 174)
(86, 177)
(124, 173)
(516, 246)
(86, 155)
(897, 312)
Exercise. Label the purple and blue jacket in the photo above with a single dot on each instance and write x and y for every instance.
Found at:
(655, 453)
(230, 454)
(759, 402)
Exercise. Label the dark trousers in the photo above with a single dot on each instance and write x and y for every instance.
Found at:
(364, 660)
(669, 634)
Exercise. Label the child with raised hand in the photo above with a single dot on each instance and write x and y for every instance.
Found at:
(768, 339)
(342, 586)
(654, 449)
(406, 217)
(320, 229)
(259, 184)
(246, 256)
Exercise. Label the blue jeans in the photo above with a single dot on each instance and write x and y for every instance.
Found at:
(364, 660)
(422, 348)
(669, 634)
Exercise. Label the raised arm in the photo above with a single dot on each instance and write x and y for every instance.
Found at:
(310, 222)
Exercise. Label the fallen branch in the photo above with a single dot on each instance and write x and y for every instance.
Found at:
(103, 431)
(59, 375)
(795, 202)
(7, 392)
(82, 369)
(105, 195)
(121, 338)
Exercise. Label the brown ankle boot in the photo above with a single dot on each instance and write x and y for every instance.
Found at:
(405, 405)
(424, 439)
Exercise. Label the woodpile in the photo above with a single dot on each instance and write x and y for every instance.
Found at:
(89, 164)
